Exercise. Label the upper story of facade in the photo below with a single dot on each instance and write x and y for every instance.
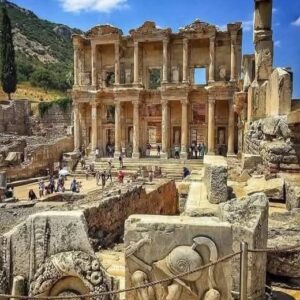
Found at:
(151, 58)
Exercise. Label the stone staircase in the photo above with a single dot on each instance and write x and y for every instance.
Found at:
(171, 168)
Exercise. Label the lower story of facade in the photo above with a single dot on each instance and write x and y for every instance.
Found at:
(138, 123)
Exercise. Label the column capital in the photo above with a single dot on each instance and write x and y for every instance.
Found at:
(164, 102)
(212, 38)
(136, 43)
(211, 100)
(185, 40)
(135, 102)
(94, 104)
(166, 41)
(184, 101)
(233, 36)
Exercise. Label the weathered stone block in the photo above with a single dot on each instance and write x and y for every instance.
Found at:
(250, 161)
(292, 194)
(215, 178)
(249, 219)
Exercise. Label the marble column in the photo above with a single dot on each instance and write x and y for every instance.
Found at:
(136, 130)
(117, 63)
(77, 129)
(212, 56)
(184, 129)
(136, 63)
(165, 60)
(185, 60)
(230, 150)
(117, 129)
(94, 137)
(211, 127)
(76, 65)
(233, 56)
(94, 68)
(165, 129)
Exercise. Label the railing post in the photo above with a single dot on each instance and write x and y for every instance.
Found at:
(243, 271)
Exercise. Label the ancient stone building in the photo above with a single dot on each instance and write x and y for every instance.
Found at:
(145, 88)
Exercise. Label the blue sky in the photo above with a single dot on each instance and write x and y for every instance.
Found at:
(128, 14)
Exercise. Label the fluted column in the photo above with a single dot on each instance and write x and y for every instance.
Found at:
(76, 65)
(211, 127)
(184, 129)
(185, 60)
(165, 129)
(233, 56)
(136, 63)
(94, 137)
(93, 64)
(136, 130)
(212, 56)
(117, 129)
(77, 138)
(165, 60)
(230, 150)
(117, 63)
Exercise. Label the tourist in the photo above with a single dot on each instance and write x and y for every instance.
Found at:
(97, 153)
(121, 176)
(177, 152)
(150, 176)
(109, 174)
(196, 150)
(158, 150)
(52, 184)
(199, 149)
(82, 162)
(186, 172)
(98, 175)
(73, 186)
(31, 195)
(41, 188)
(121, 161)
(87, 173)
(60, 184)
(103, 177)
(9, 192)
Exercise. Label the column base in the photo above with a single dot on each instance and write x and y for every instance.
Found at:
(183, 155)
(211, 81)
(164, 155)
(136, 155)
(211, 153)
(231, 154)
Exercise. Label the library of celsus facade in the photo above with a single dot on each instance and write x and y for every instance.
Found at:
(159, 88)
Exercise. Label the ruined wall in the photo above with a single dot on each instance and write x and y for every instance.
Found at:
(39, 158)
(106, 222)
(14, 117)
(276, 142)
(53, 123)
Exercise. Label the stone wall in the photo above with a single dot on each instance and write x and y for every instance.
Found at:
(54, 122)
(106, 221)
(14, 117)
(39, 158)
(275, 142)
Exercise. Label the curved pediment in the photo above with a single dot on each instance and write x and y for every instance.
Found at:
(103, 30)
(149, 28)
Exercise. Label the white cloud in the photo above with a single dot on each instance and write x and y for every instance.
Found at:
(222, 27)
(274, 10)
(92, 5)
(248, 25)
(277, 44)
(296, 22)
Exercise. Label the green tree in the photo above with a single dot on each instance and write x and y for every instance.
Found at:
(42, 78)
(9, 70)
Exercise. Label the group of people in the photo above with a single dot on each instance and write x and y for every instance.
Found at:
(50, 188)
(197, 151)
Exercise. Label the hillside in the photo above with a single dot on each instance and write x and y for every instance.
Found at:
(44, 52)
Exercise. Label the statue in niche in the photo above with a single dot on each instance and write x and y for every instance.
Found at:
(176, 136)
(131, 135)
(221, 140)
(181, 259)
(222, 73)
(110, 114)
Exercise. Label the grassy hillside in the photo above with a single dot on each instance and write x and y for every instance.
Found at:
(44, 52)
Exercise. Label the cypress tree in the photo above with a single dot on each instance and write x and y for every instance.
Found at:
(9, 71)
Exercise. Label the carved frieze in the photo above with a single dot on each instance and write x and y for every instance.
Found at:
(103, 30)
(149, 29)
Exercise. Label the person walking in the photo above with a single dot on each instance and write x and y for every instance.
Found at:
(158, 150)
(109, 175)
(121, 161)
(31, 195)
(98, 175)
(186, 172)
(103, 179)
(121, 176)
(41, 188)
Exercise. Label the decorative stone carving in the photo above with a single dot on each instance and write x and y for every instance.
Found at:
(149, 28)
(127, 76)
(74, 264)
(172, 252)
(102, 30)
(222, 72)
(198, 26)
